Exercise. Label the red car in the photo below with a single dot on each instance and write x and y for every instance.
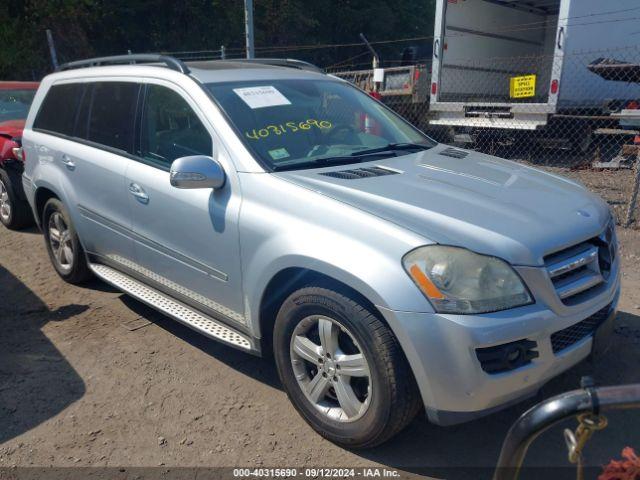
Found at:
(15, 99)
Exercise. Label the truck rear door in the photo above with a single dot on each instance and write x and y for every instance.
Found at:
(494, 60)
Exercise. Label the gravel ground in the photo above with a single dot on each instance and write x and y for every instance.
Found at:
(90, 377)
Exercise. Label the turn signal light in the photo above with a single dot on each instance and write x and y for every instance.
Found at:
(424, 283)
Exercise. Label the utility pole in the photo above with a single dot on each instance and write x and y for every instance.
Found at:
(248, 27)
(378, 73)
(376, 59)
(52, 50)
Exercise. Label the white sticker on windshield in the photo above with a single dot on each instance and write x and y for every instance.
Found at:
(260, 97)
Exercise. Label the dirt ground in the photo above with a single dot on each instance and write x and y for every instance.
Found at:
(90, 377)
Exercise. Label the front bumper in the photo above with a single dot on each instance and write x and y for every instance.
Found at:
(441, 350)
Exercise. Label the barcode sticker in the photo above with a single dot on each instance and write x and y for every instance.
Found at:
(261, 97)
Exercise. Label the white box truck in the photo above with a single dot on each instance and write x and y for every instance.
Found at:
(513, 64)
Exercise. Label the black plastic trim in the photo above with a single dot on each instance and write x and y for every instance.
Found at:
(171, 62)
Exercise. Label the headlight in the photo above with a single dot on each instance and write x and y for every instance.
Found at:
(456, 280)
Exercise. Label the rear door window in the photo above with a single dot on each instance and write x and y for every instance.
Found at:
(112, 117)
(170, 128)
(58, 111)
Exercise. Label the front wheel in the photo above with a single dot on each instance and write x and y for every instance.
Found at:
(343, 368)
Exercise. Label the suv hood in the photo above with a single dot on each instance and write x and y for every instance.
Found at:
(479, 202)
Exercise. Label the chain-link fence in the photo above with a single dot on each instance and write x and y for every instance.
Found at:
(577, 115)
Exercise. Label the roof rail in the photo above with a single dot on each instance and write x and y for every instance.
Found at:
(171, 62)
(281, 62)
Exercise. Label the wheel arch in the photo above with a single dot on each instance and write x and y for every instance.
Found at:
(402, 393)
(288, 280)
(41, 196)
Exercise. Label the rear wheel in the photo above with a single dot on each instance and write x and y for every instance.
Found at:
(343, 368)
(64, 248)
(14, 213)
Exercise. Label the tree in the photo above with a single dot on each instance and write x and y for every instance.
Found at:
(85, 28)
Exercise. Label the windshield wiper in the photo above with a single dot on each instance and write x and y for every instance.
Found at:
(330, 161)
(354, 157)
(361, 155)
(391, 147)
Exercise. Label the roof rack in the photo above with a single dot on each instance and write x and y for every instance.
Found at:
(171, 62)
(281, 62)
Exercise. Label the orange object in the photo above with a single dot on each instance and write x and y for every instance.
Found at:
(627, 469)
(424, 283)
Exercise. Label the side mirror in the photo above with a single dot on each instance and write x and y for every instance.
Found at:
(197, 171)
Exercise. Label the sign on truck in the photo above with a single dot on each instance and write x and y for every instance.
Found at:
(522, 87)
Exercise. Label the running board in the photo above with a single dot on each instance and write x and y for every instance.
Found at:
(197, 321)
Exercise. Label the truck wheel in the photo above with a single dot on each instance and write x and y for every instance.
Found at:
(63, 245)
(14, 213)
(343, 368)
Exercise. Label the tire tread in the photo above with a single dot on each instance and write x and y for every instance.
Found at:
(80, 272)
(404, 396)
(21, 216)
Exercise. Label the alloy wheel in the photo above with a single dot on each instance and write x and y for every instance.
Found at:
(331, 368)
(60, 242)
(5, 202)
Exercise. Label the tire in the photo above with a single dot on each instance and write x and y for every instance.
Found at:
(15, 213)
(59, 236)
(379, 405)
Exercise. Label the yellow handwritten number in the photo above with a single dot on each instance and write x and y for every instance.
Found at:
(287, 127)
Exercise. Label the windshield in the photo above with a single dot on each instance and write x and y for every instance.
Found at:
(291, 124)
(14, 104)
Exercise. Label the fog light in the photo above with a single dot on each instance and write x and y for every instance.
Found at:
(508, 356)
(513, 355)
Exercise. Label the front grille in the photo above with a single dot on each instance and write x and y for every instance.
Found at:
(568, 336)
(576, 272)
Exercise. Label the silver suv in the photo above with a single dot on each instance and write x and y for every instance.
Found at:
(283, 211)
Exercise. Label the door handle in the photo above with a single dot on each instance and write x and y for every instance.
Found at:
(68, 162)
(138, 192)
